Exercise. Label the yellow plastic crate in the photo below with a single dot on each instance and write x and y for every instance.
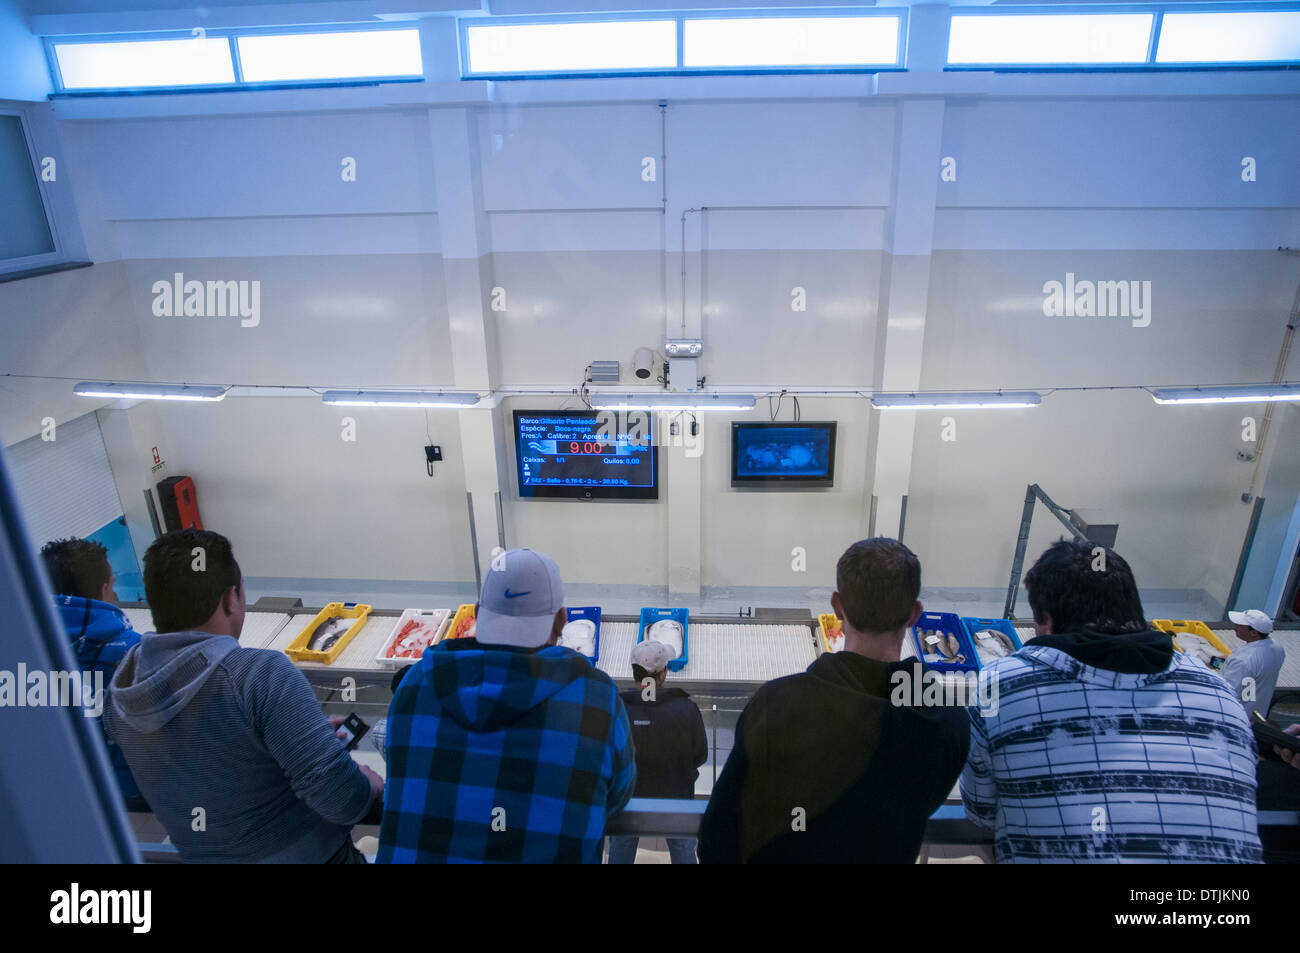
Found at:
(465, 611)
(1193, 627)
(297, 649)
(828, 624)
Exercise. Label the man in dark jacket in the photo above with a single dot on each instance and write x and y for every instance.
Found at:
(100, 632)
(670, 744)
(506, 747)
(843, 763)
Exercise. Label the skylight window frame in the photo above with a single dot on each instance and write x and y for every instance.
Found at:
(1153, 40)
(334, 28)
(464, 24)
(1153, 34)
(888, 13)
(231, 35)
(1224, 64)
(61, 88)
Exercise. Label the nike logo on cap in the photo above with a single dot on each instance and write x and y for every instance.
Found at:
(516, 595)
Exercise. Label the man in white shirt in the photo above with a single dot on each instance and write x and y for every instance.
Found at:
(1251, 671)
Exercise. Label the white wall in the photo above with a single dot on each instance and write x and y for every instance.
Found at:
(1168, 474)
(798, 194)
(23, 73)
(297, 500)
(75, 325)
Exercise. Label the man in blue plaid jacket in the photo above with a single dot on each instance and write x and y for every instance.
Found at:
(506, 747)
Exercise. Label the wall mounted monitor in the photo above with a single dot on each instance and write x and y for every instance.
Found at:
(783, 454)
(586, 455)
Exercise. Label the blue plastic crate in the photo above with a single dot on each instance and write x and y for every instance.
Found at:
(950, 624)
(974, 625)
(592, 613)
(651, 616)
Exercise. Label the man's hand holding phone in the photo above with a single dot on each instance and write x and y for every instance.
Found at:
(1290, 757)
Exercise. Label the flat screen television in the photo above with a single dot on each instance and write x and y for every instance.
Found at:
(586, 455)
(783, 454)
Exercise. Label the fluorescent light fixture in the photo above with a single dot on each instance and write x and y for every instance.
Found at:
(284, 57)
(572, 47)
(398, 398)
(1228, 394)
(1239, 37)
(1049, 39)
(791, 41)
(149, 391)
(967, 400)
(672, 401)
(131, 64)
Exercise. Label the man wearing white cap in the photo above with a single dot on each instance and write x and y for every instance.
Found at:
(1252, 670)
(668, 730)
(506, 747)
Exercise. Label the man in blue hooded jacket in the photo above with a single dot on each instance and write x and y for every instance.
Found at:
(506, 747)
(100, 632)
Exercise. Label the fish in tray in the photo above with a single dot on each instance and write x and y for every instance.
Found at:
(669, 632)
(328, 633)
(580, 635)
(1200, 648)
(414, 637)
(941, 647)
(993, 644)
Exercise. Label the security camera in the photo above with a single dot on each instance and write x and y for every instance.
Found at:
(642, 362)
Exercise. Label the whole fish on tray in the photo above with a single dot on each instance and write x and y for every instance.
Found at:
(328, 633)
(994, 644)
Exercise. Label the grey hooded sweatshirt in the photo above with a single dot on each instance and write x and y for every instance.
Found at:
(230, 749)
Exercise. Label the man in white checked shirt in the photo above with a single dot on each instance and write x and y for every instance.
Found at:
(1107, 746)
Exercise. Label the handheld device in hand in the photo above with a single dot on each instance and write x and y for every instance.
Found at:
(354, 728)
(1267, 735)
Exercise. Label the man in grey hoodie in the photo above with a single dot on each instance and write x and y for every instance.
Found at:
(229, 744)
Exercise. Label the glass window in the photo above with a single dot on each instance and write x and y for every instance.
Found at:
(1245, 37)
(317, 56)
(791, 41)
(196, 61)
(26, 232)
(1048, 39)
(572, 47)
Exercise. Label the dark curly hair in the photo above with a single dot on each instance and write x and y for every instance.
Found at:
(77, 567)
(1065, 585)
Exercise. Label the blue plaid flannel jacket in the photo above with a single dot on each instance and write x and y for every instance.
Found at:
(502, 754)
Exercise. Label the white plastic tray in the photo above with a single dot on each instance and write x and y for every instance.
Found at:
(439, 619)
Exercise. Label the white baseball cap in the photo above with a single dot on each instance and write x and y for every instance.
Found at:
(651, 655)
(1254, 618)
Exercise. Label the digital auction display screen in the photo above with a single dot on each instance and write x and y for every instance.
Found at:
(586, 454)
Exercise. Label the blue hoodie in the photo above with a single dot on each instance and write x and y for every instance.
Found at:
(101, 635)
(503, 754)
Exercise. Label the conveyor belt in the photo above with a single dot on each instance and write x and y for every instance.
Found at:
(259, 627)
(718, 652)
(141, 619)
(358, 654)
